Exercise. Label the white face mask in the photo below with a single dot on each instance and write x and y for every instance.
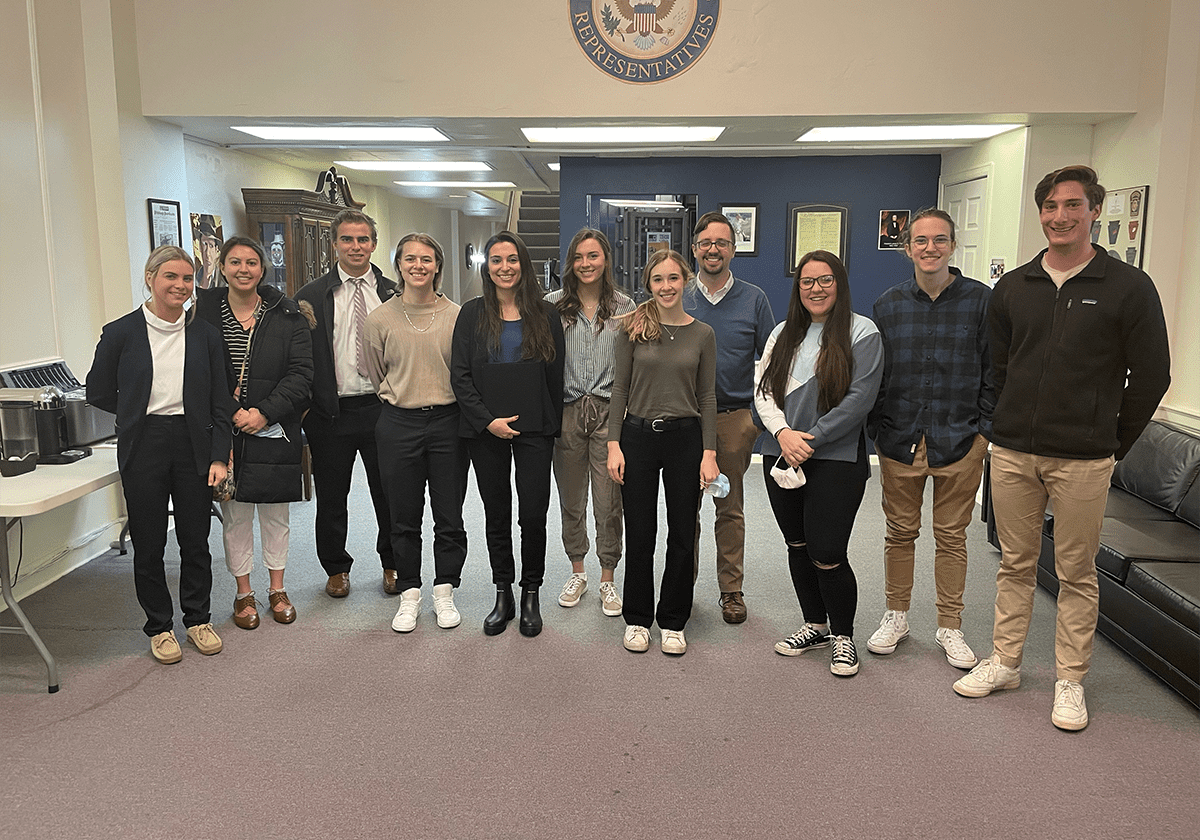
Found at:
(787, 477)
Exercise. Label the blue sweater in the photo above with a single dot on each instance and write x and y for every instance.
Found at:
(742, 321)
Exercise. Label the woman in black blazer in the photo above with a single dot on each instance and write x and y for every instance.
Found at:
(506, 369)
(268, 353)
(162, 372)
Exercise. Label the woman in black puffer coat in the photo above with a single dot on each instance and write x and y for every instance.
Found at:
(268, 349)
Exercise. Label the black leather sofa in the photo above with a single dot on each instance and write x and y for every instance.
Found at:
(1149, 557)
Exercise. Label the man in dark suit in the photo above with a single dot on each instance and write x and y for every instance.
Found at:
(340, 423)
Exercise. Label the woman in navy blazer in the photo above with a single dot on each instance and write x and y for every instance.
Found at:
(162, 372)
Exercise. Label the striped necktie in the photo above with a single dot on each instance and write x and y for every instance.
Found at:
(360, 322)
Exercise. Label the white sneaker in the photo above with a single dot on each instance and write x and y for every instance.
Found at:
(610, 601)
(1070, 712)
(410, 607)
(673, 642)
(958, 652)
(986, 677)
(893, 629)
(573, 589)
(443, 605)
(637, 638)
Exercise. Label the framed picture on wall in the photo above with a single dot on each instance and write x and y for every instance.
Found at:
(891, 224)
(815, 227)
(165, 226)
(1121, 228)
(207, 239)
(744, 219)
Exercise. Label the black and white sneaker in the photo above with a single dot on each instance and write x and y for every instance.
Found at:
(844, 662)
(806, 638)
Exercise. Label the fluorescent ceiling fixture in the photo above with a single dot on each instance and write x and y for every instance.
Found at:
(876, 133)
(553, 167)
(459, 185)
(624, 134)
(632, 202)
(415, 165)
(347, 133)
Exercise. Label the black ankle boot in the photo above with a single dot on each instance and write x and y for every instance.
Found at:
(531, 613)
(497, 620)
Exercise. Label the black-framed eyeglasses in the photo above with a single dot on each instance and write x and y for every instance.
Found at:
(705, 244)
(824, 281)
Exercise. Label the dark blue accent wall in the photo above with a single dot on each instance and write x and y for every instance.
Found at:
(864, 183)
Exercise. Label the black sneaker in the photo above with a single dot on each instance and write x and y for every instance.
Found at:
(844, 662)
(806, 638)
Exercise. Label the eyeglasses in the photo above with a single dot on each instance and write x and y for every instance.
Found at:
(824, 282)
(939, 241)
(705, 244)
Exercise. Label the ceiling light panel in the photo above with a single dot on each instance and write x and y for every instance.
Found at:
(459, 185)
(415, 165)
(893, 133)
(344, 134)
(624, 134)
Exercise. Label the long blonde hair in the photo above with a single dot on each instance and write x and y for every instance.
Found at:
(644, 324)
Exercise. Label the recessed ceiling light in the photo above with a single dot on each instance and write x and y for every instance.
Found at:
(646, 205)
(415, 165)
(553, 167)
(348, 133)
(459, 185)
(884, 133)
(624, 134)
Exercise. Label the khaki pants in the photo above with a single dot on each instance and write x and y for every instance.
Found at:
(954, 489)
(736, 434)
(580, 459)
(1078, 491)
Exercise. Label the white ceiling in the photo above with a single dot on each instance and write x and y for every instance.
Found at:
(500, 143)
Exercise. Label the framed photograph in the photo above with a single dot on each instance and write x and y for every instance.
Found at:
(165, 226)
(891, 224)
(207, 239)
(813, 227)
(1121, 228)
(744, 218)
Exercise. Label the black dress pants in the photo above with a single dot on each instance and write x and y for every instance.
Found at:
(494, 459)
(417, 447)
(160, 476)
(333, 445)
(675, 454)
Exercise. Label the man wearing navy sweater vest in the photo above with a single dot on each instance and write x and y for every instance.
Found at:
(741, 316)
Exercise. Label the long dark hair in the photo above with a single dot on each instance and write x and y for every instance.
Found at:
(569, 304)
(536, 340)
(643, 324)
(835, 361)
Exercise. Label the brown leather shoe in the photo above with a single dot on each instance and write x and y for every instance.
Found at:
(286, 615)
(250, 620)
(733, 608)
(338, 586)
(390, 586)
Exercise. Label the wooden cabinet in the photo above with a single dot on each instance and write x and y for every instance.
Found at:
(293, 226)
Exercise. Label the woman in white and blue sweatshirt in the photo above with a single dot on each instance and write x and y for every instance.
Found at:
(814, 386)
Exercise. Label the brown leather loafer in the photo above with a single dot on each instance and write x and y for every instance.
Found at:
(390, 586)
(338, 586)
(733, 608)
(250, 620)
(286, 615)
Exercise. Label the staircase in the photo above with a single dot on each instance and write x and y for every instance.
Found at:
(537, 225)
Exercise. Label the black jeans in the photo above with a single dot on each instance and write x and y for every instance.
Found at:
(493, 459)
(816, 521)
(162, 471)
(333, 445)
(676, 454)
(418, 447)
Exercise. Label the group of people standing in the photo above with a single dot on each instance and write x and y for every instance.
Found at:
(615, 399)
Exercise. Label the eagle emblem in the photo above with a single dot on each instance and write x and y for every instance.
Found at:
(643, 20)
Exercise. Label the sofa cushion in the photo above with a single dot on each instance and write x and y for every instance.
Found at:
(1172, 587)
(1161, 465)
(1122, 543)
(1189, 508)
(1127, 507)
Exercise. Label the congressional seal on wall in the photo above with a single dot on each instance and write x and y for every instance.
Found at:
(644, 41)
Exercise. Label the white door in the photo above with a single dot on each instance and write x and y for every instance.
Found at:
(966, 202)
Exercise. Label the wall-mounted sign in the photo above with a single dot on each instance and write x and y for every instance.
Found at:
(644, 41)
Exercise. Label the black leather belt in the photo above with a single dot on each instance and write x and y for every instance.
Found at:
(662, 424)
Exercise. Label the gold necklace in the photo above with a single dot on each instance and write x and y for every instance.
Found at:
(253, 313)
(429, 326)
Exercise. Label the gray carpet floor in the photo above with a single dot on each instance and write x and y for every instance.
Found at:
(336, 726)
